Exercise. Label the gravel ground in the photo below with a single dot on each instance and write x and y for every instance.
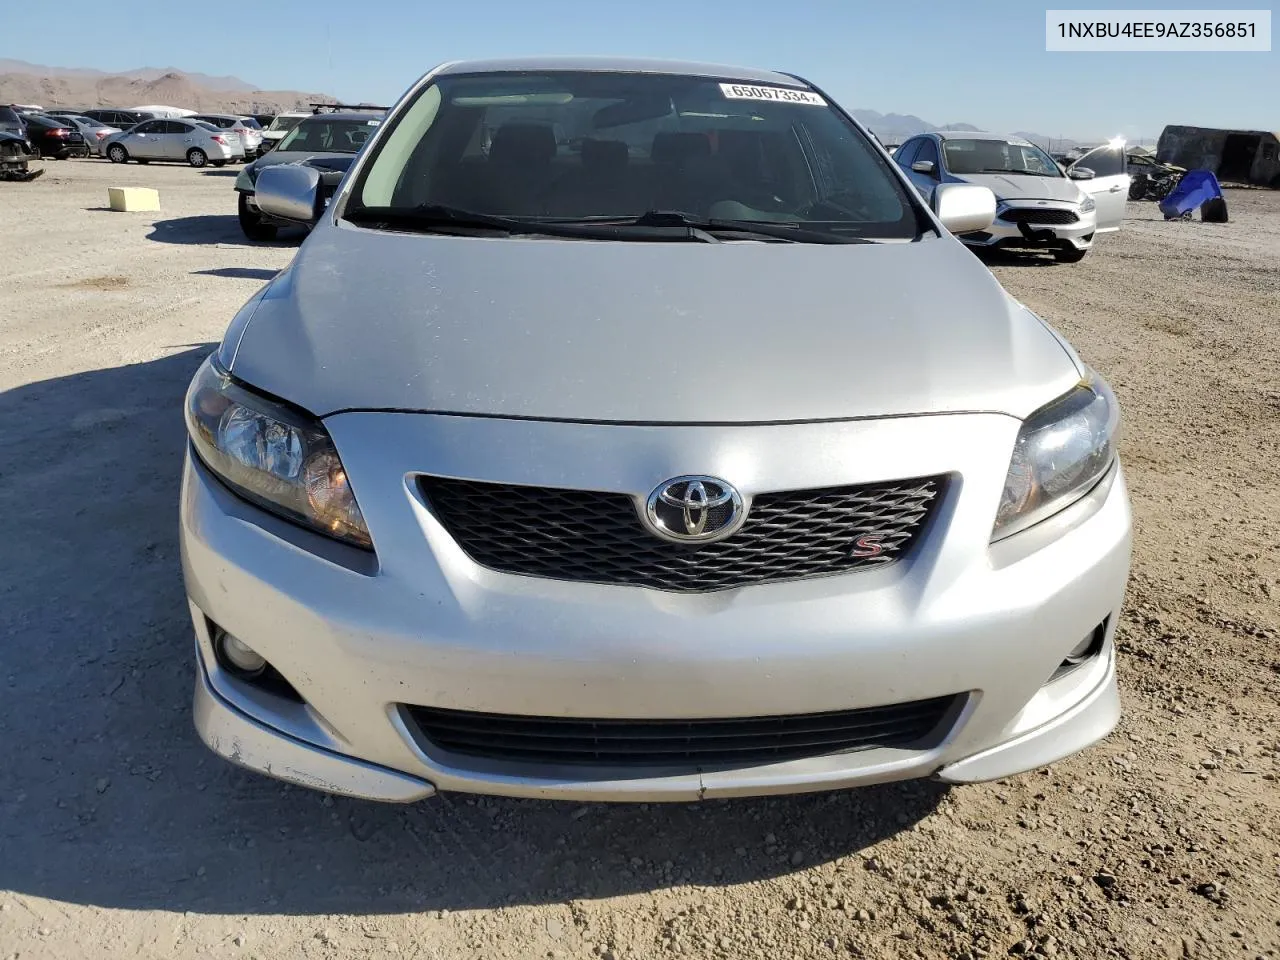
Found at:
(120, 836)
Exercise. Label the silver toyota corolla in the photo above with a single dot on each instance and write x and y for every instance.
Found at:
(632, 430)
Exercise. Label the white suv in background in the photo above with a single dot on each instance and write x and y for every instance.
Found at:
(277, 128)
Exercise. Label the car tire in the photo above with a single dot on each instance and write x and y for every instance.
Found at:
(1069, 254)
(251, 222)
(117, 154)
(197, 157)
(1138, 186)
(1214, 211)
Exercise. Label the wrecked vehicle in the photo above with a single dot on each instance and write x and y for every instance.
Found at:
(1150, 179)
(15, 157)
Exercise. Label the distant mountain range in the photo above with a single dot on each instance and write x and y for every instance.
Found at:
(52, 87)
(142, 73)
(896, 127)
(23, 82)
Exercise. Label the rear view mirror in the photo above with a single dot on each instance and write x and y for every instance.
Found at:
(290, 192)
(923, 166)
(1080, 173)
(964, 207)
(631, 111)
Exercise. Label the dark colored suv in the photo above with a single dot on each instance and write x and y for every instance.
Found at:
(124, 119)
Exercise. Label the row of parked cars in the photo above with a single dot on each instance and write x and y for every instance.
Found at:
(121, 135)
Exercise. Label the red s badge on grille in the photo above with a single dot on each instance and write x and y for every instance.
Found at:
(868, 546)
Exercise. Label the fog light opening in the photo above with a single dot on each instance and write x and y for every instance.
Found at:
(1084, 651)
(238, 657)
(241, 662)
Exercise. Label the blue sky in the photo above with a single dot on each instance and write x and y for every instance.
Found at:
(981, 63)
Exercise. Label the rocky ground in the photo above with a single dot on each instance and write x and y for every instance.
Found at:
(120, 836)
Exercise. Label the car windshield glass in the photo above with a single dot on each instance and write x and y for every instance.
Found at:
(998, 156)
(327, 136)
(204, 124)
(284, 123)
(594, 146)
(251, 123)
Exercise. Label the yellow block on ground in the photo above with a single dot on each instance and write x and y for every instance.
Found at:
(133, 199)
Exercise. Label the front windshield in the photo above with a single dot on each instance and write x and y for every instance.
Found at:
(319, 135)
(572, 146)
(998, 156)
(284, 123)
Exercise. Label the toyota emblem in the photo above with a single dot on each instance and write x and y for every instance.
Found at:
(694, 509)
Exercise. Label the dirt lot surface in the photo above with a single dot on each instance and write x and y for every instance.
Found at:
(121, 836)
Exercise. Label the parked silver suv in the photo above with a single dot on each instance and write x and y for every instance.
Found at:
(632, 430)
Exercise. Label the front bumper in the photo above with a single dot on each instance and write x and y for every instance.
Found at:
(421, 623)
(1007, 234)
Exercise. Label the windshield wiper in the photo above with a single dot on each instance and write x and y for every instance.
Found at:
(433, 217)
(784, 231)
(1019, 173)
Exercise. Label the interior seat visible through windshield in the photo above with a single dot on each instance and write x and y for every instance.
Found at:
(581, 145)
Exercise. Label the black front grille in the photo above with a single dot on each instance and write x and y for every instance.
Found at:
(1047, 215)
(598, 537)
(683, 743)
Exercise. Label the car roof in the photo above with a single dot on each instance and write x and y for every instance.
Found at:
(346, 115)
(220, 116)
(977, 135)
(621, 65)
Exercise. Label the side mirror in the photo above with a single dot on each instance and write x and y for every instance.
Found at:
(1080, 173)
(964, 207)
(924, 166)
(290, 192)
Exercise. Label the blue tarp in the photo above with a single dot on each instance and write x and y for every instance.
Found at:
(1196, 188)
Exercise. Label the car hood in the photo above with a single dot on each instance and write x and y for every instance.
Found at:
(326, 161)
(642, 332)
(1015, 187)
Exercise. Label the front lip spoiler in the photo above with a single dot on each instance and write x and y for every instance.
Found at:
(239, 738)
(1093, 717)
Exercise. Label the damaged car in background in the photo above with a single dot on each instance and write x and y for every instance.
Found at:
(327, 141)
(1040, 207)
(15, 158)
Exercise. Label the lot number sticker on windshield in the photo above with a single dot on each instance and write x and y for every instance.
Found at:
(743, 91)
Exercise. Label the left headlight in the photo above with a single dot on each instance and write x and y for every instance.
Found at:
(272, 455)
(1062, 451)
(1087, 205)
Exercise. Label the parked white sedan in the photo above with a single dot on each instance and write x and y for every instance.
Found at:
(1039, 205)
(190, 141)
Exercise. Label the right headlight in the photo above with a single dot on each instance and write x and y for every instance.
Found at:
(1062, 451)
(272, 455)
